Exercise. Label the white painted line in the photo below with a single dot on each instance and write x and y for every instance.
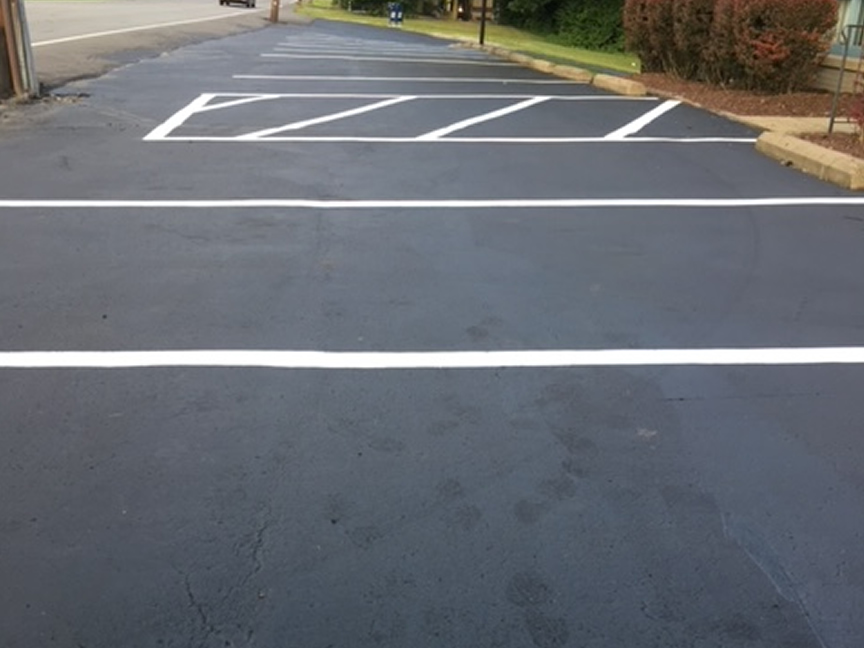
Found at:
(361, 51)
(261, 134)
(479, 119)
(375, 95)
(469, 140)
(638, 124)
(307, 77)
(129, 30)
(466, 203)
(528, 359)
(199, 105)
(385, 59)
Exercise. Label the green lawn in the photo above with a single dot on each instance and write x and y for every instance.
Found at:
(508, 37)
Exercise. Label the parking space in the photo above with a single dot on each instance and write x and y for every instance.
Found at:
(342, 336)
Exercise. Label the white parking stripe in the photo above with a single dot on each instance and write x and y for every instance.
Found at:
(386, 59)
(381, 360)
(466, 203)
(129, 30)
(310, 77)
(465, 140)
(200, 105)
(479, 119)
(323, 120)
(638, 124)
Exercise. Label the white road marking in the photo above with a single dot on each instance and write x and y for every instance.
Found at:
(261, 134)
(466, 203)
(362, 51)
(479, 119)
(467, 140)
(128, 30)
(200, 105)
(387, 95)
(638, 124)
(385, 59)
(312, 77)
(527, 359)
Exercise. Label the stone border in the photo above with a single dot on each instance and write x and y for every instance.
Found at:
(841, 169)
(826, 164)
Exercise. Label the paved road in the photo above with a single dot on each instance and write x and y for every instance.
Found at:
(82, 39)
(357, 273)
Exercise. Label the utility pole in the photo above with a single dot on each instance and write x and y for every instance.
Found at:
(274, 11)
(15, 42)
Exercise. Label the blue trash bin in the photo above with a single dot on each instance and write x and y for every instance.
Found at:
(394, 10)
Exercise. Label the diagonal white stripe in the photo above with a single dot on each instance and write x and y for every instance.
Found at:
(326, 118)
(479, 119)
(638, 124)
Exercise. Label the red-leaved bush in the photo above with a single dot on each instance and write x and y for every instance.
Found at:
(770, 45)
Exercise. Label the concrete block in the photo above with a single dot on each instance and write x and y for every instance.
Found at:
(841, 169)
(620, 85)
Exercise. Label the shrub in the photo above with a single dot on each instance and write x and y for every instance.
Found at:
(691, 33)
(648, 32)
(592, 24)
(771, 45)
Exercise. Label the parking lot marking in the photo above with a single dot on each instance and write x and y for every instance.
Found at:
(385, 59)
(638, 124)
(315, 77)
(200, 105)
(468, 203)
(458, 140)
(479, 119)
(257, 135)
(379, 360)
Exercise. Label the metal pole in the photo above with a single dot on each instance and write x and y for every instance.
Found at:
(483, 22)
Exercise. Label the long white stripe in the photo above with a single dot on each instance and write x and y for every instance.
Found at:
(323, 120)
(479, 119)
(638, 124)
(314, 77)
(385, 59)
(431, 359)
(515, 203)
(450, 96)
(467, 140)
(129, 30)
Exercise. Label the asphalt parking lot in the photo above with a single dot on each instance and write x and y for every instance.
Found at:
(335, 336)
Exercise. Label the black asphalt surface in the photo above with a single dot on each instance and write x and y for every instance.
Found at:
(629, 507)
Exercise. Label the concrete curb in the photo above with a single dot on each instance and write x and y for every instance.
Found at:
(839, 168)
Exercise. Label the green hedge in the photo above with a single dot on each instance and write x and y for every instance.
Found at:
(590, 24)
(770, 45)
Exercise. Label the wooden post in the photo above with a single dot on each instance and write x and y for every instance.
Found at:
(8, 36)
(274, 11)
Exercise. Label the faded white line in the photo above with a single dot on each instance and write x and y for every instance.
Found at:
(385, 59)
(479, 119)
(638, 124)
(234, 358)
(261, 134)
(200, 105)
(305, 77)
(503, 203)
(129, 30)
(470, 140)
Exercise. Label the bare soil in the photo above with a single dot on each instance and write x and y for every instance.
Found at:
(742, 102)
